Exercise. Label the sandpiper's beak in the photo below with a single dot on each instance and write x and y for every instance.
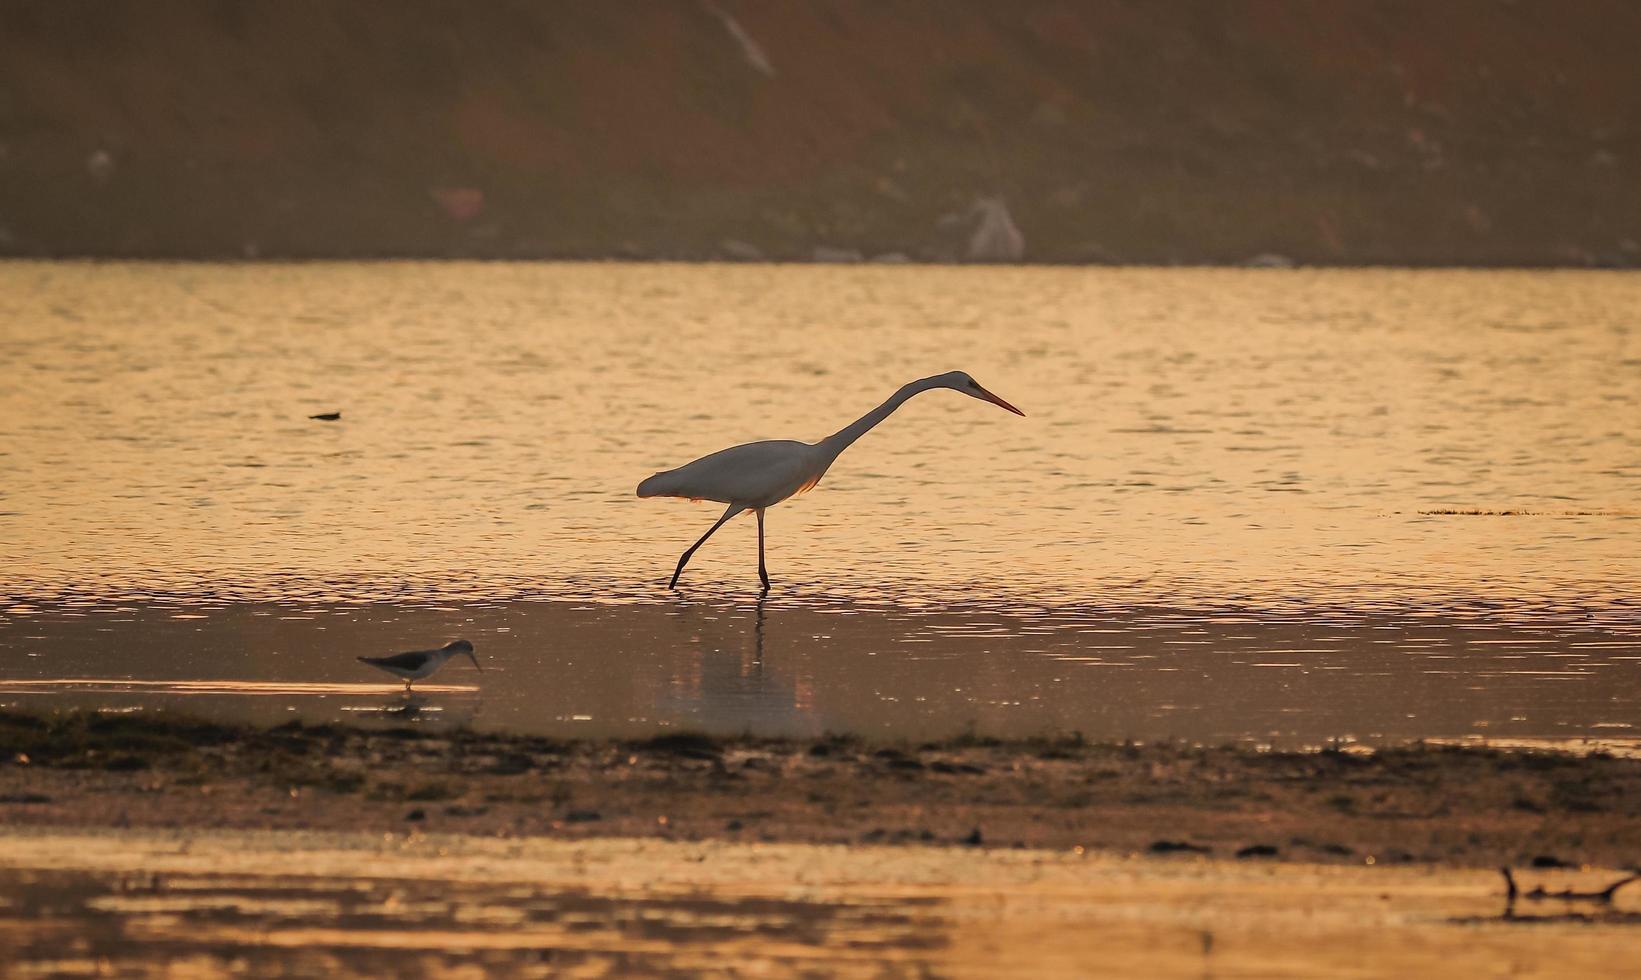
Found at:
(475, 662)
(1000, 403)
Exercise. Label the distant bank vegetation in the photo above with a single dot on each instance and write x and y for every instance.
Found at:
(1466, 132)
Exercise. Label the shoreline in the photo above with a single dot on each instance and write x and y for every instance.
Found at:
(1458, 807)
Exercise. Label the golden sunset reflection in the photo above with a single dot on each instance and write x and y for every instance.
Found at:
(1273, 437)
(1285, 505)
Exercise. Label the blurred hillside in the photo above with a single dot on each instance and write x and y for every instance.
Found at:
(1453, 132)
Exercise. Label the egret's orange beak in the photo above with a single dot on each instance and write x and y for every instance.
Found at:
(1000, 403)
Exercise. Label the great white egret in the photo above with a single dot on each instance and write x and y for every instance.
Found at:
(413, 666)
(759, 475)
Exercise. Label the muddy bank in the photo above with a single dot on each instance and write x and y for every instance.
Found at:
(1464, 807)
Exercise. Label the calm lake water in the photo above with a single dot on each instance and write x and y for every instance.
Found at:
(1228, 514)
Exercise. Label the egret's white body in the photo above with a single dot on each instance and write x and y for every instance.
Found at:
(417, 664)
(758, 475)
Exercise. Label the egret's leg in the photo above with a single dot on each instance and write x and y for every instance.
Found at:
(763, 575)
(758, 629)
(731, 512)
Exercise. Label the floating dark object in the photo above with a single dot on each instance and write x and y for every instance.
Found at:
(1258, 851)
(326, 416)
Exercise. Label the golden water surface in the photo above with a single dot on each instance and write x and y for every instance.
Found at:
(1222, 474)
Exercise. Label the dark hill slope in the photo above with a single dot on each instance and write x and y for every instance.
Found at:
(1458, 132)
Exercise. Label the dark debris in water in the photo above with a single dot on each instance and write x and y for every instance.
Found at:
(1602, 913)
(1484, 512)
(1602, 896)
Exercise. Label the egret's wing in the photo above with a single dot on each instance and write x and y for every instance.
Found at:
(755, 471)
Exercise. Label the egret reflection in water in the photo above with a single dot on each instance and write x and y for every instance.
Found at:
(722, 678)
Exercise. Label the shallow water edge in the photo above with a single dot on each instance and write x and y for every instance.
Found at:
(788, 667)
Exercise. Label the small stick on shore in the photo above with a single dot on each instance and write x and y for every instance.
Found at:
(1604, 896)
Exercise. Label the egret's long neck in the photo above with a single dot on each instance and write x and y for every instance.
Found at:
(838, 441)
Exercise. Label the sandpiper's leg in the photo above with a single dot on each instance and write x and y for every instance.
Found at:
(731, 512)
(763, 574)
(407, 685)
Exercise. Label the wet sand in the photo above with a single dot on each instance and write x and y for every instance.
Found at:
(339, 904)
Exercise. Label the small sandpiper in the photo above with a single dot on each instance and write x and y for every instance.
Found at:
(417, 664)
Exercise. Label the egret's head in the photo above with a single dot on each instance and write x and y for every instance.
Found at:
(960, 381)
